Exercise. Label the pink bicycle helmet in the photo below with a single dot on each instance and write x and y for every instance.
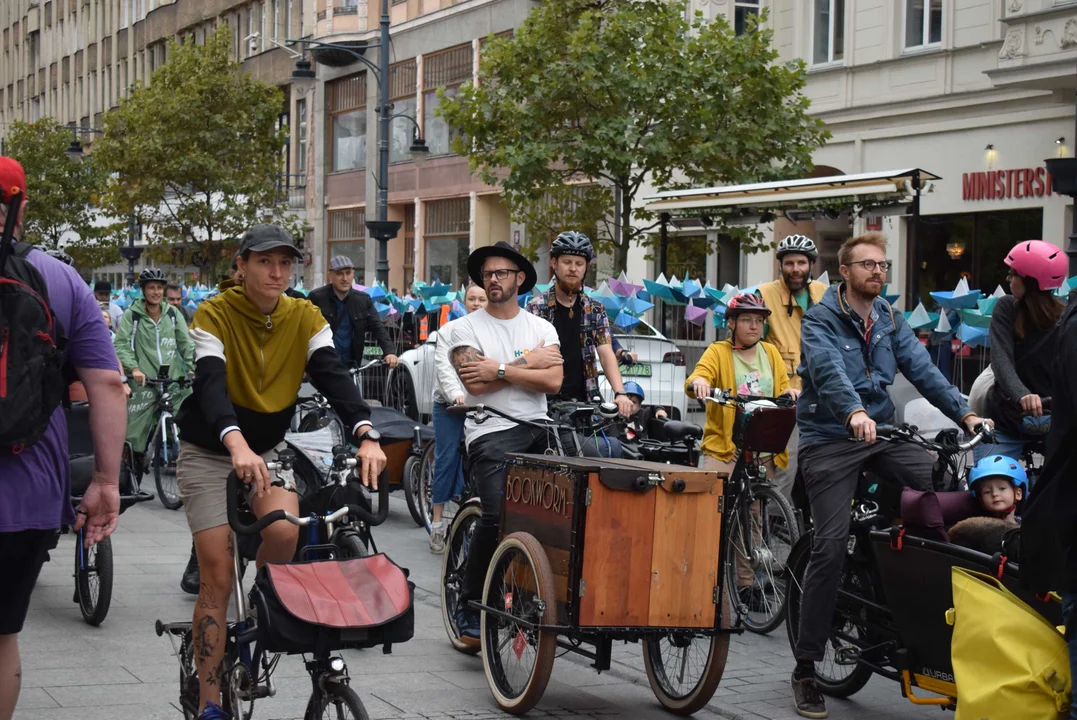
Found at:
(1040, 260)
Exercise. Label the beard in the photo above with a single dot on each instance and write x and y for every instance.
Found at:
(795, 283)
(499, 294)
(570, 286)
(866, 288)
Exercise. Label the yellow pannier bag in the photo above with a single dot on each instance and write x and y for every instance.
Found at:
(1009, 661)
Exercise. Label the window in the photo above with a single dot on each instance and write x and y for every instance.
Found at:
(402, 88)
(448, 237)
(829, 32)
(923, 23)
(742, 10)
(347, 236)
(347, 111)
(409, 247)
(301, 136)
(448, 69)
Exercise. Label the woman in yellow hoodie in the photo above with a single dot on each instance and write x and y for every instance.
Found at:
(742, 365)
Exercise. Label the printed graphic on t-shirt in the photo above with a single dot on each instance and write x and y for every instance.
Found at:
(751, 384)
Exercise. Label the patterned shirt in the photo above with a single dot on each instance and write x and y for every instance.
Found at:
(594, 329)
(864, 326)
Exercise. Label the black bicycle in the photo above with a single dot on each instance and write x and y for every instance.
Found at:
(162, 444)
(259, 634)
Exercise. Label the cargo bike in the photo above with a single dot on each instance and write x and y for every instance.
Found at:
(594, 551)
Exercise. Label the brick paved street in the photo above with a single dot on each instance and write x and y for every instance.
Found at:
(123, 671)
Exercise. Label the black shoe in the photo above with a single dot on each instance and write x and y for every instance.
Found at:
(191, 581)
(467, 623)
(807, 698)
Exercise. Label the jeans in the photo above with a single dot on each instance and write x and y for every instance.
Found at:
(448, 465)
(486, 457)
(1008, 444)
(831, 471)
(1069, 604)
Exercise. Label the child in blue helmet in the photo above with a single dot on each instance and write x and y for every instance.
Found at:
(999, 483)
(640, 419)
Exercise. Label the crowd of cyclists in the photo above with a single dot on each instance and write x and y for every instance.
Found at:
(835, 350)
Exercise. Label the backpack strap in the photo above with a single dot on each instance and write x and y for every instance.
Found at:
(7, 239)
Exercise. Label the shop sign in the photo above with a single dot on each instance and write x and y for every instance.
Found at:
(1015, 183)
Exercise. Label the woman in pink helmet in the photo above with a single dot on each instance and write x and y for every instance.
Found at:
(1023, 346)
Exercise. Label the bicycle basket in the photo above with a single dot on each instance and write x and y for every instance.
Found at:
(330, 605)
(763, 427)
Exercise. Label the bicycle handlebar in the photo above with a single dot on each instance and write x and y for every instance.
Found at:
(184, 381)
(341, 461)
(1045, 403)
(728, 397)
(908, 433)
(372, 364)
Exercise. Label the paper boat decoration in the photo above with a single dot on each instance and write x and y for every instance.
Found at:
(973, 336)
(695, 315)
(920, 318)
(987, 305)
(975, 318)
(824, 278)
(624, 321)
(622, 287)
(953, 300)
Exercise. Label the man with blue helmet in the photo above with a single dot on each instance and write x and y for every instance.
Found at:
(999, 483)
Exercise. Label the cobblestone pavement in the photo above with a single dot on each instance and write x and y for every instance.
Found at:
(123, 671)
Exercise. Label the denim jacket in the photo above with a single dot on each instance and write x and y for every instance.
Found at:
(842, 373)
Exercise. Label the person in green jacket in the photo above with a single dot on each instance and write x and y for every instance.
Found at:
(151, 334)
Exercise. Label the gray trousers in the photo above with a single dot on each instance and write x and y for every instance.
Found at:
(783, 479)
(830, 471)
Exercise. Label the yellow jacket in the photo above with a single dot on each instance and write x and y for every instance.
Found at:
(716, 367)
(783, 325)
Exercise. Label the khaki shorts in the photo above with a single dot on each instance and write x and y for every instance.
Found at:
(203, 480)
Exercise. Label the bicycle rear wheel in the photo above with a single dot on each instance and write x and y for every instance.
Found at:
(338, 702)
(764, 550)
(164, 465)
(188, 677)
(426, 486)
(93, 579)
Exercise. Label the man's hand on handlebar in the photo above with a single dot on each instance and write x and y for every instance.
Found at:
(249, 465)
(792, 393)
(701, 388)
(973, 422)
(1032, 405)
(391, 360)
(371, 460)
(862, 426)
(139, 377)
(624, 405)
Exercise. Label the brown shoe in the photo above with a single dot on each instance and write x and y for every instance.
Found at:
(807, 698)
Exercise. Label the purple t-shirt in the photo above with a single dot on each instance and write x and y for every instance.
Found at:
(35, 486)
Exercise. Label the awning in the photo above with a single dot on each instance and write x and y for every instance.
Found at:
(880, 187)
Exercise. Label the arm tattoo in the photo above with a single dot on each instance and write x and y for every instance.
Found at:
(519, 362)
(465, 354)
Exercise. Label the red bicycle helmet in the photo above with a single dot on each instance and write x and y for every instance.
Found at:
(1041, 261)
(746, 302)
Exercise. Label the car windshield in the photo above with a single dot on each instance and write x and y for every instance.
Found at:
(641, 329)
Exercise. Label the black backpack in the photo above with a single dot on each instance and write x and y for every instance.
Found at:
(32, 380)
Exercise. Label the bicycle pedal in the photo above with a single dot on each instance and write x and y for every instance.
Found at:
(847, 655)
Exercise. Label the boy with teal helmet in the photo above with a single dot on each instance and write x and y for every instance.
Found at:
(999, 483)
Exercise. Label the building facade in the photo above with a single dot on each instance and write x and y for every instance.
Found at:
(979, 92)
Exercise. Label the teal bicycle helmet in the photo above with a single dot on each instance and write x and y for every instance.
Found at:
(999, 465)
(632, 388)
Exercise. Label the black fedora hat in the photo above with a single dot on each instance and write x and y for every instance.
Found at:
(501, 249)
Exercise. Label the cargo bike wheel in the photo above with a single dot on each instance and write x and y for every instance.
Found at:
(516, 655)
(684, 668)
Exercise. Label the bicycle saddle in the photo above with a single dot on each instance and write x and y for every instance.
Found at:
(674, 430)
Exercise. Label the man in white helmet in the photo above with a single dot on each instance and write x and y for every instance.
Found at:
(788, 298)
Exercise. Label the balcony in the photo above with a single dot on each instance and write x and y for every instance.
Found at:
(292, 190)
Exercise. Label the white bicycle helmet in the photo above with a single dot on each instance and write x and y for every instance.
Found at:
(801, 244)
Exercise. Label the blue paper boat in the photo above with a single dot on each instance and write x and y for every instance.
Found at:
(946, 299)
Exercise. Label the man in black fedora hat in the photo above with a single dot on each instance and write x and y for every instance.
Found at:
(509, 360)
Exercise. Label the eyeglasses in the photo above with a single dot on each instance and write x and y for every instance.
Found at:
(751, 320)
(499, 274)
(870, 265)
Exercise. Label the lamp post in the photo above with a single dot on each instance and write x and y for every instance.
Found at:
(134, 230)
(381, 229)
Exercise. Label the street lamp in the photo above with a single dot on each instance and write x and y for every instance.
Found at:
(134, 230)
(382, 229)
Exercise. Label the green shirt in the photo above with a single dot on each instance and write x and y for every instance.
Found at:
(755, 376)
(802, 299)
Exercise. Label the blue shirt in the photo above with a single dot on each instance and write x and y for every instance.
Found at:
(342, 338)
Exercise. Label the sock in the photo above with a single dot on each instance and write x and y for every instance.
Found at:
(805, 669)
(437, 525)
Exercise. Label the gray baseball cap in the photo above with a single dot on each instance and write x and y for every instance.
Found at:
(261, 238)
(341, 262)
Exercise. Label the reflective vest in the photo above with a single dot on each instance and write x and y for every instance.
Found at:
(783, 325)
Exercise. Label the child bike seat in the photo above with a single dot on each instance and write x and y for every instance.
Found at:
(927, 514)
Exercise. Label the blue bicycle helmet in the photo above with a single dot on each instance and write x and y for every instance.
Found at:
(999, 465)
(632, 388)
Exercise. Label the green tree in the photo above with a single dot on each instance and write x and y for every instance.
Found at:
(196, 156)
(62, 194)
(589, 101)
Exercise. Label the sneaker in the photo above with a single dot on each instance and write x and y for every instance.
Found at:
(191, 580)
(807, 698)
(213, 712)
(437, 538)
(467, 623)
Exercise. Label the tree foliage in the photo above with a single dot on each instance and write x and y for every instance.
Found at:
(196, 155)
(62, 194)
(591, 101)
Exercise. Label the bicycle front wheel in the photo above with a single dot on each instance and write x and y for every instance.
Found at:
(410, 480)
(338, 702)
(93, 579)
(426, 486)
(453, 569)
(757, 569)
(166, 446)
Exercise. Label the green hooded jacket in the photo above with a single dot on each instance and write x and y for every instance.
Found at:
(144, 344)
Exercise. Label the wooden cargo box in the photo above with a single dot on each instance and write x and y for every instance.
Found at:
(630, 544)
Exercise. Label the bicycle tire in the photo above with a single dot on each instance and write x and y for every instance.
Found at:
(410, 480)
(426, 486)
(701, 693)
(453, 565)
(830, 685)
(336, 694)
(352, 546)
(781, 524)
(189, 687)
(94, 600)
(165, 477)
(400, 393)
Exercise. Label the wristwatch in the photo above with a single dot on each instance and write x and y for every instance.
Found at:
(501, 371)
(370, 434)
(619, 394)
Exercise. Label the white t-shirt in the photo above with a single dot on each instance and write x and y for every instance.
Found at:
(503, 341)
